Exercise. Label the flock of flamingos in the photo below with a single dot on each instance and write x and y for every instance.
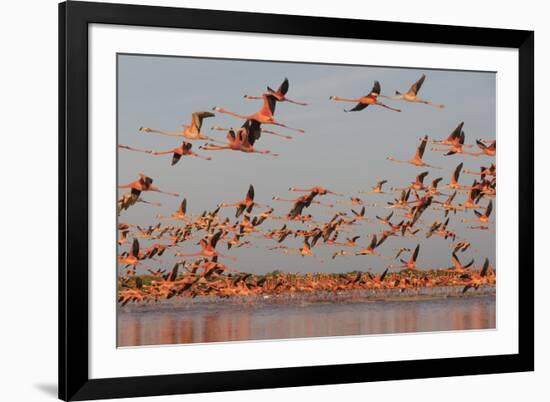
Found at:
(205, 272)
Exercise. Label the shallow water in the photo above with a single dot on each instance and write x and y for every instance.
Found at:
(202, 321)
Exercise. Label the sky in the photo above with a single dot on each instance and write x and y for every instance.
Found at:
(345, 152)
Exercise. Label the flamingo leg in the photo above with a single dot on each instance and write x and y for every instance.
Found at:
(387, 107)
(295, 102)
(285, 126)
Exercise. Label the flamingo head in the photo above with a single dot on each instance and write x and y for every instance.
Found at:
(332, 97)
(217, 109)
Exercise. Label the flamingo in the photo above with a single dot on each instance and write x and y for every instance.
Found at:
(370, 99)
(145, 183)
(208, 247)
(243, 140)
(411, 94)
(244, 205)
(183, 149)
(478, 279)
(264, 116)
(180, 213)
(484, 171)
(288, 137)
(482, 217)
(316, 189)
(411, 264)
(191, 131)
(133, 257)
(279, 94)
(454, 178)
(457, 265)
(370, 249)
(416, 160)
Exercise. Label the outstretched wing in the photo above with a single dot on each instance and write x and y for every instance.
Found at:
(196, 118)
(485, 268)
(183, 206)
(372, 241)
(357, 108)
(174, 273)
(489, 209)
(215, 238)
(456, 173)
(175, 158)
(422, 147)
(135, 248)
(253, 129)
(415, 254)
(456, 132)
(250, 193)
(283, 88)
(375, 91)
(268, 107)
(417, 85)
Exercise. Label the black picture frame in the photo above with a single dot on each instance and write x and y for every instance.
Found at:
(74, 18)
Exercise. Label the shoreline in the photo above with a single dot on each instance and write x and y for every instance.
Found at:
(303, 299)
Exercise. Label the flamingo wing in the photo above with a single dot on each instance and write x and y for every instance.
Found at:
(135, 248)
(283, 88)
(456, 173)
(417, 85)
(415, 254)
(375, 91)
(268, 108)
(197, 117)
(357, 108)
(422, 147)
(175, 158)
(456, 132)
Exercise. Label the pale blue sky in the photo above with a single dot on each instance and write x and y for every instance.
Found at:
(345, 152)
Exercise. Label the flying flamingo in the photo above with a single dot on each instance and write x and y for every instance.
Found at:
(457, 265)
(456, 148)
(454, 178)
(246, 204)
(145, 183)
(183, 149)
(191, 131)
(315, 189)
(478, 279)
(208, 247)
(242, 141)
(482, 217)
(132, 258)
(411, 264)
(279, 94)
(484, 171)
(264, 116)
(487, 150)
(180, 214)
(364, 101)
(411, 94)
(370, 249)
(288, 137)
(416, 160)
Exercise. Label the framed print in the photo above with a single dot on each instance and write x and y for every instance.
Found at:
(258, 201)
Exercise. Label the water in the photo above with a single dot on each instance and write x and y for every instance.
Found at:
(222, 321)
